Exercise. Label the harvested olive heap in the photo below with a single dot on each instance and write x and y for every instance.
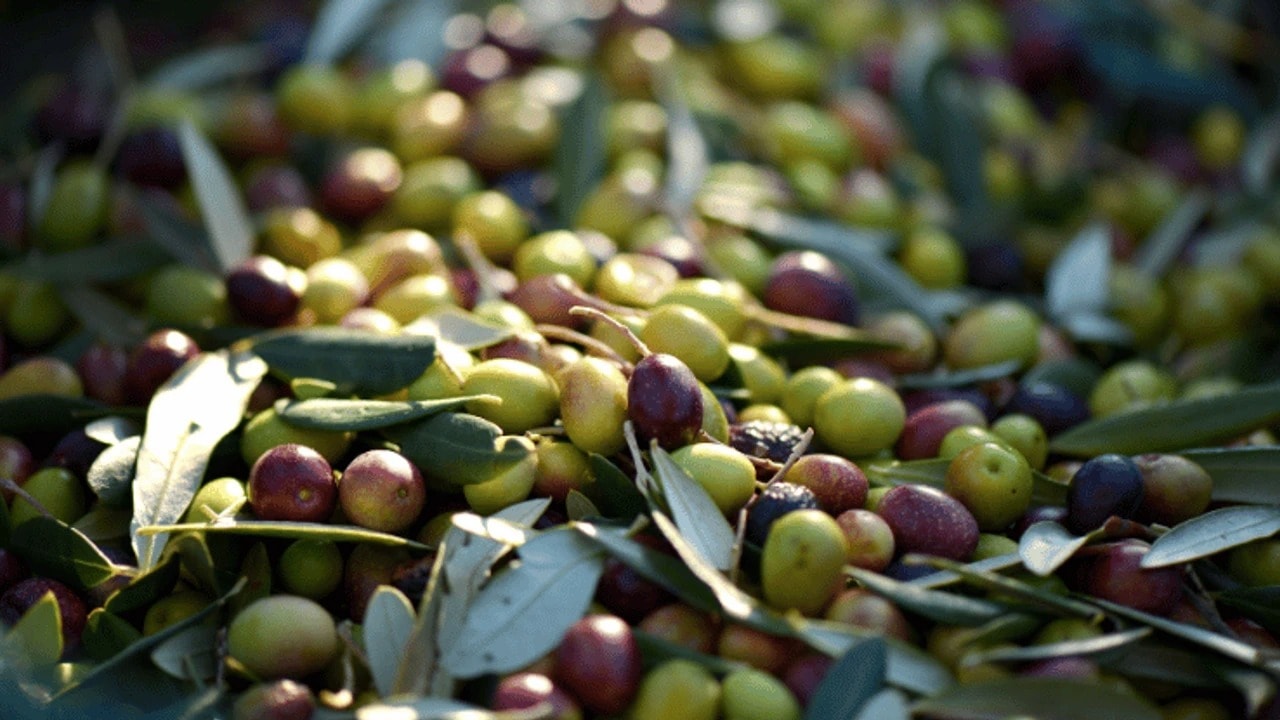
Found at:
(641, 359)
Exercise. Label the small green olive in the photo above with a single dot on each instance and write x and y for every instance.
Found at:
(593, 405)
(803, 388)
(802, 560)
(528, 397)
(859, 417)
(993, 482)
(726, 474)
(283, 636)
(690, 336)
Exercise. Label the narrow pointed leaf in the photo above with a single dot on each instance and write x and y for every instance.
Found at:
(1046, 546)
(958, 378)
(656, 649)
(1011, 588)
(354, 415)
(613, 492)
(1211, 533)
(467, 330)
(906, 666)
(187, 417)
(221, 205)
(687, 152)
(106, 633)
(285, 529)
(359, 362)
(111, 474)
(1259, 604)
(189, 655)
(1174, 425)
(387, 625)
(1086, 647)
(1164, 244)
(53, 549)
(1261, 156)
(579, 165)
(1241, 474)
(112, 429)
(45, 413)
(145, 589)
(459, 448)
(415, 31)
(179, 237)
(103, 523)
(1077, 280)
(1222, 645)
(694, 512)
(886, 705)
(1041, 698)
(943, 578)
(850, 683)
(524, 611)
(36, 639)
(112, 260)
(937, 605)
(210, 66)
(43, 175)
(653, 565)
(103, 315)
(339, 26)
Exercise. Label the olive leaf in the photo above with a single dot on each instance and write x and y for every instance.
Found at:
(218, 196)
(1163, 245)
(467, 330)
(339, 26)
(284, 529)
(1221, 644)
(1261, 156)
(1211, 533)
(655, 650)
(523, 612)
(106, 633)
(36, 639)
(182, 239)
(1175, 425)
(906, 666)
(612, 491)
(1009, 588)
(1084, 647)
(579, 506)
(936, 605)
(415, 31)
(356, 361)
(1241, 474)
(188, 416)
(1046, 546)
(1259, 604)
(104, 523)
(44, 173)
(103, 315)
(45, 413)
(189, 655)
(112, 429)
(1131, 71)
(145, 589)
(53, 549)
(209, 66)
(111, 474)
(942, 578)
(888, 704)
(693, 511)
(459, 448)
(851, 682)
(1077, 279)
(687, 153)
(112, 260)
(336, 414)
(387, 624)
(578, 166)
(653, 565)
(1043, 698)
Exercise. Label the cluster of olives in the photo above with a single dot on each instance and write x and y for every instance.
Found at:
(384, 195)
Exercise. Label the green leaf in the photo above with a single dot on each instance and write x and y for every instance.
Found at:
(189, 655)
(1211, 533)
(145, 589)
(1041, 698)
(578, 165)
(26, 414)
(111, 474)
(257, 573)
(468, 330)
(1261, 156)
(209, 66)
(44, 173)
(524, 612)
(655, 650)
(943, 578)
(613, 492)
(887, 704)
(809, 350)
(187, 417)
(112, 429)
(1209, 640)
(850, 683)
(339, 26)
(1131, 71)
(1174, 425)
(653, 565)
(1078, 279)
(1163, 245)
(177, 235)
(945, 378)
(1241, 474)
(459, 448)
(36, 639)
(387, 624)
(355, 415)
(1046, 546)
(1259, 604)
(1085, 647)
(118, 662)
(693, 511)
(205, 570)
(579, 507)
(286, 529)
(112, 260)
(1005, 588)
(219, 198)
(906, 666)
(415, 31)
(687, 153)
(936, 605)
(106, 633)
(358, 362)
(53, 549)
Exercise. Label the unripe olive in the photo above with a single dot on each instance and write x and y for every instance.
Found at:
(36, 315)
(993, 482)
(182, 296)
(722, 302)
(751, 694)
(316, 99)
(803, 389)
(562, 467)
(416, 296)
(283, 636)
(299, 236)
(635, 280)
(552, 252)
(1257, 563)
(1174, 489)
(172, 609)
(1025, 435)
(800, 566)
(859, 417)
(529, 397)
(715, 422)
(430, 189)
(593, 405)
(762, 376)
(311, 568)
(40, 375)
(431, 126)
(335, 286)
(57, 489)
(726, 474)
(961, 438)
(441, 381)
(934, 259)
(76, 209)
(689, 335)
(1129, 386)
(993, 333)
(775, 66)
(280, 700)
(217, 496)
(677, 688)
(267, 430)
(509, 487)
(493, 221)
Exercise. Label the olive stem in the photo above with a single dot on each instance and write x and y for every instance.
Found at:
(591, 312)
(16, 489)
(644, 481)
(596, 347)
